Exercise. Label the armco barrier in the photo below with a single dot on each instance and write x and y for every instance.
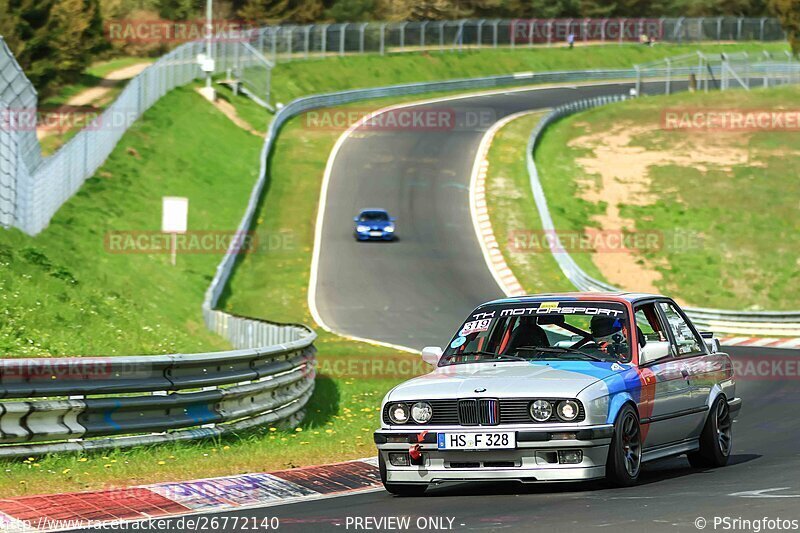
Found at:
(126, 401)
(768, 323)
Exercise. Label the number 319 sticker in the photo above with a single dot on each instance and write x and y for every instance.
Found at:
(476, 326)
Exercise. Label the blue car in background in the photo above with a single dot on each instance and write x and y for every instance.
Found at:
(374, 224)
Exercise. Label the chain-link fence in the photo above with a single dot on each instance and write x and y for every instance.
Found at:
(284, 43)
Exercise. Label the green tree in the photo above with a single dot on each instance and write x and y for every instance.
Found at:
(352, 10)
(788, 11)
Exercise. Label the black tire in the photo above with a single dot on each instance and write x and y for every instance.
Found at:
(399, 489)
(716, 440)
(625, 452)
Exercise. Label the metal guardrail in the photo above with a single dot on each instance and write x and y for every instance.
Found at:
(723, 321)
(57, 405)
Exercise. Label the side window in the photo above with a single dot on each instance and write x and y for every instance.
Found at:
(686, 341)
(649, 324)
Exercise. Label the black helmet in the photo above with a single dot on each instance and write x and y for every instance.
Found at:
(604, 328)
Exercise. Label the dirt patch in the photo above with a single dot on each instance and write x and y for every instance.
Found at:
(617, 173)
(230, 111)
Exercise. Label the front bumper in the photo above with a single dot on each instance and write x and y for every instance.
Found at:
(366, 236)
(534, 459)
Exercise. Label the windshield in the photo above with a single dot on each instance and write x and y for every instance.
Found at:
(373, 216)
(547, 330)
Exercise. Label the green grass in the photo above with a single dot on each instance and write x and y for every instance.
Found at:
(353, 378)
(730, 228)
(299, 78)
(63, 293)
(515, 219)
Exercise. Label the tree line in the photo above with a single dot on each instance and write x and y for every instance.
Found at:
(55, 40)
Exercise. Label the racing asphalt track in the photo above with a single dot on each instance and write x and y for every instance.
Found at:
(414, 292)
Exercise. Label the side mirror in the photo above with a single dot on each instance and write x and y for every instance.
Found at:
(355, 219)
(653, 351)
(431, 355)
(711, 343)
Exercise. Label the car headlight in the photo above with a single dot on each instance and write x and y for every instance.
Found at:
(541, 410)
(362, 229)
(567, 410)
(421, 412)
(388, 229)
(398, 413)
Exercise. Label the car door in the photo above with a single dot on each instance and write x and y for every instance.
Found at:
(667, 393)
(689, 350)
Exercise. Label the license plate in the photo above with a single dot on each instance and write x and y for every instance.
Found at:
(494, 440)
(375, 233)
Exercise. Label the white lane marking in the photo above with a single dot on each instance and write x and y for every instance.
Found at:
(763, 493)
(495, 262)
(326, 178)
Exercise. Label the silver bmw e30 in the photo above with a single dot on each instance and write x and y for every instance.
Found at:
(560, 387)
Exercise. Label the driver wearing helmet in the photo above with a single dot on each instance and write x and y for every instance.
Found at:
(609, 334)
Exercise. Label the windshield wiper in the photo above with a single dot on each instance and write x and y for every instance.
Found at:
(494, 356)
(559, 349)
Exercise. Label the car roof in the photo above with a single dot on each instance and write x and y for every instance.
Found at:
(378, 209)
(578, 296)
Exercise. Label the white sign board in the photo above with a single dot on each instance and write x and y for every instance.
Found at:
(174, 215)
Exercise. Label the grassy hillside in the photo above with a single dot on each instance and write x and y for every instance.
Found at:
(302, 77)
(722, 203)
(64, 292)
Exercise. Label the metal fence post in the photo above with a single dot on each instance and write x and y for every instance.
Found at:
(274, 45)
(603, 30)
(324, 44)
(479, 32)
(621, 29)
(700, 28)
(361, 29)
(763, 22)
(383, 38)
(549, 32)
(342, 30)
(403, 36)
(719, 29)
(441, 36)
(585, 30)
(422, 34)
(739, 28)
(669, 75)
(289, 43)
(460, 35)
(306, 40)
(494, 33)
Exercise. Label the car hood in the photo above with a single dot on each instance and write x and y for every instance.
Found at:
(556, 379)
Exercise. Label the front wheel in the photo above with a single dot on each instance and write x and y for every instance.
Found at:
(625, 453)
(399, 489)
(716, 439)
